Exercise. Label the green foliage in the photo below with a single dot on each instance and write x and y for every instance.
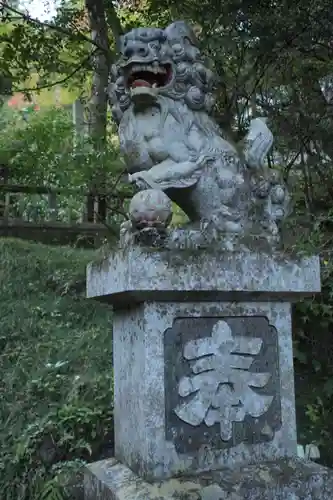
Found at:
(41, 151)
(313, 345)
(55, 366)
(54, 51)
(179, 218)
(270, 58)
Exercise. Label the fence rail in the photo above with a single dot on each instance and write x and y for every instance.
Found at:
(90, 218)
(43, 214)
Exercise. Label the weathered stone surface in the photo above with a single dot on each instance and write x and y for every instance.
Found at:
(238, 400)
(136, 274)
(249, 293)
(283, 479)
(162, 93)
(150, 208)
(147, 432)
(171, 311)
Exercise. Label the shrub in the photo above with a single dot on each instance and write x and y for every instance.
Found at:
(55, 371)
(313, 347)
(42, 152)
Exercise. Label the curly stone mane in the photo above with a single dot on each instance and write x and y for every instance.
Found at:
(192, 81)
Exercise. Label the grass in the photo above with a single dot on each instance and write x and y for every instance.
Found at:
(55, 368)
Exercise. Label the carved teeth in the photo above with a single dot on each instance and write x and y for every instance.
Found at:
(136, 68)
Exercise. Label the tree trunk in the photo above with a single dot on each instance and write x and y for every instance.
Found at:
(101, 64)
(98, 99)
(99, 14)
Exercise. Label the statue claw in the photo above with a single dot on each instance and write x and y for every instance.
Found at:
(141, 180)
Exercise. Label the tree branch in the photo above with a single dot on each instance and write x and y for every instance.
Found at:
(114, 22)
(52, 26)
(62, 80)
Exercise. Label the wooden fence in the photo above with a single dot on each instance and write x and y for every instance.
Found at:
(53, 223)
(53, 226)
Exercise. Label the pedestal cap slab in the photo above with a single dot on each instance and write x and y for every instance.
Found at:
(137, 275)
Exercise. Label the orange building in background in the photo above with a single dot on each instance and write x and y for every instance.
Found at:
(19, 101)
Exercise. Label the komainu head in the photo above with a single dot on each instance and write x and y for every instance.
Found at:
(156, 62)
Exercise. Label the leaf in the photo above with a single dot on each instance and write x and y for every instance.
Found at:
(300, 356)
(52, 491)
(328, 387)
(316, 365)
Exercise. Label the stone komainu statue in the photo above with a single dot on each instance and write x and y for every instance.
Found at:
(161, 93)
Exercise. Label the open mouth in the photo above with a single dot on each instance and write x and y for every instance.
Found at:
(149, 75)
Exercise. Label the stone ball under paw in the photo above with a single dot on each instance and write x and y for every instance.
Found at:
(150, 208)
(278, 194)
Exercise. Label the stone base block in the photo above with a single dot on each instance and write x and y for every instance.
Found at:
(202, 356)
(164, 427)
(282, 479)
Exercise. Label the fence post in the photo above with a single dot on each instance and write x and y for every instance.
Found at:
(7, 207)
(78, 121)
(53, 208)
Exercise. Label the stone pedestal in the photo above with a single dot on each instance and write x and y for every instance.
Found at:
(203, 368)
(283, 479)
